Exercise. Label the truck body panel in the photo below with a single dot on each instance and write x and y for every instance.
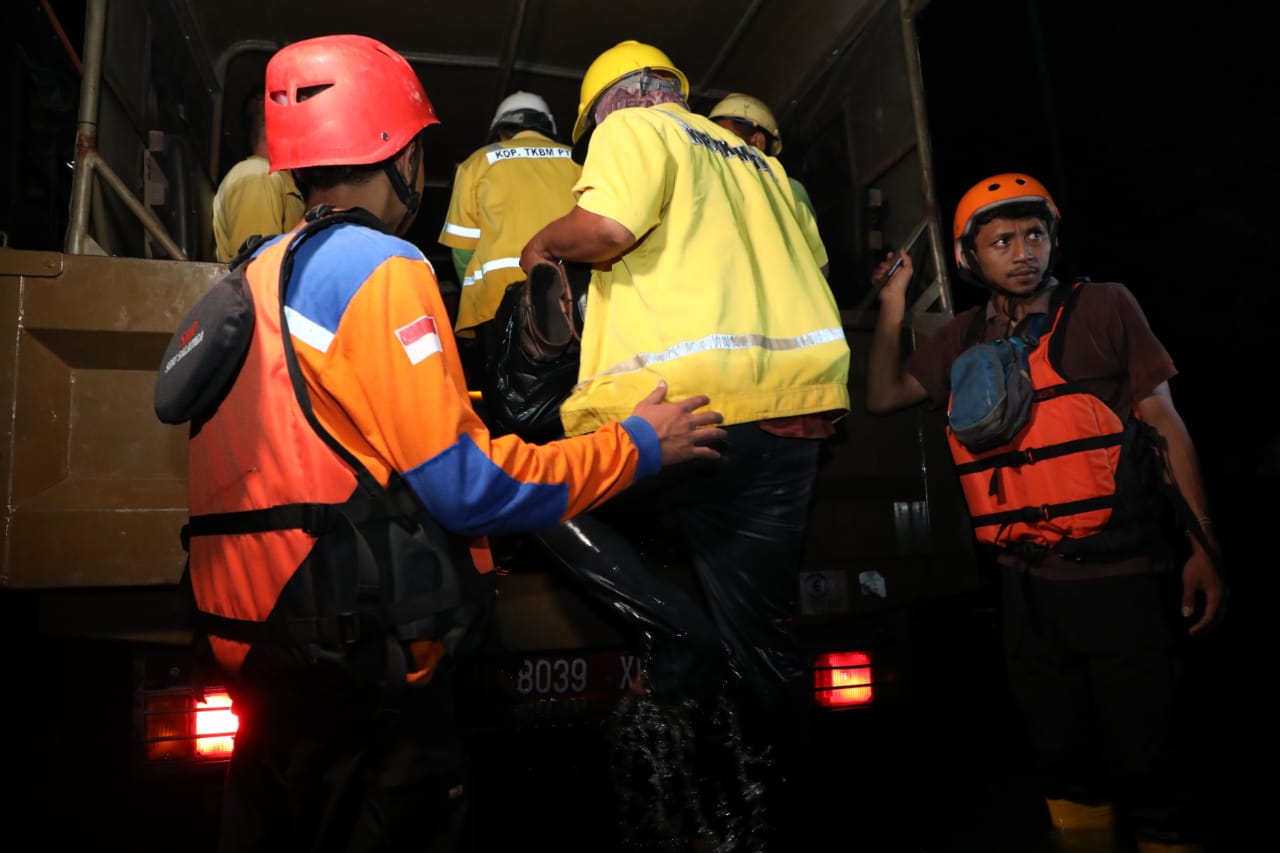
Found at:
(95, 486)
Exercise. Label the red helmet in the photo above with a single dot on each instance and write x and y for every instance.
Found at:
(993, 192)
(342, 100)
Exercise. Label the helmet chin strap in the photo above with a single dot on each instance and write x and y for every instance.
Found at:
(410, 199)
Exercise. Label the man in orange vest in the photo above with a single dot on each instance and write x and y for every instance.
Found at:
(1072, 509)
(342, 487)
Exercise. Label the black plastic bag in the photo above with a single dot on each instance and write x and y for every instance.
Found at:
(522, 394)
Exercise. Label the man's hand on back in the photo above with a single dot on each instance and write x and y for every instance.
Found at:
(684, 432)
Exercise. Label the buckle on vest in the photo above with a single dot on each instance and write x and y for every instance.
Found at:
(348, 625)
(316, 519)
(1031, 514)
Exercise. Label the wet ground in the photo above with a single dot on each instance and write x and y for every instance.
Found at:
(941, 771)
(851, 796)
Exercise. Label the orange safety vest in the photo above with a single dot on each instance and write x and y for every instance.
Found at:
(1075, 480)
(299, 560)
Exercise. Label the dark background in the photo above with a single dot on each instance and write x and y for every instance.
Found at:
(1152, 127)
(1148, 126)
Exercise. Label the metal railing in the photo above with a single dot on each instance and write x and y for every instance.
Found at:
(89, 164)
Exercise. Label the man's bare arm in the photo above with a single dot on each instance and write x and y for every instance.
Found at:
(1201, 582)
(889, 386)
(579, 235)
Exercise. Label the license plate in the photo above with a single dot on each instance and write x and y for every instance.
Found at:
(591, 675)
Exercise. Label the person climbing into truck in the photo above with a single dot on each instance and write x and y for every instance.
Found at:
(751, 119)
(705, 276)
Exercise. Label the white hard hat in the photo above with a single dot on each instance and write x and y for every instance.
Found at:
(515, 104)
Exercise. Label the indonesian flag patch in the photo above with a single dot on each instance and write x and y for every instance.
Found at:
(419, 338)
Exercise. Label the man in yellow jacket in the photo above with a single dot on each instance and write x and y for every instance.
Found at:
(707, 276)
(252, 199)
(751, 119)
(521, 179)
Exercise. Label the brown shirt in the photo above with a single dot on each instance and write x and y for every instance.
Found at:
(1109, 348)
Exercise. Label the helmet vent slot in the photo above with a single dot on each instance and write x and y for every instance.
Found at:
(307, 92)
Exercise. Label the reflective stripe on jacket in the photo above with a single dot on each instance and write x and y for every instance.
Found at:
(502, 194)
(723, 295)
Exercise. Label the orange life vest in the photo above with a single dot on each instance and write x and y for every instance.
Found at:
(1076, 479)
(300, 561)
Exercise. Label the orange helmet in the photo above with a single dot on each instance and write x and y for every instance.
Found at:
(343, 100)
(995, 191)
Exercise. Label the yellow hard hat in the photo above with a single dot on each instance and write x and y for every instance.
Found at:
(751, 110)
(623, 58)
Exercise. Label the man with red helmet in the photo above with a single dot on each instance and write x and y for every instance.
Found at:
(342, 487)
(1074, 511)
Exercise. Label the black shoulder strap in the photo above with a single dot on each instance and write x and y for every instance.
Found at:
(1066, 296)
(329, 216)
(317, 219)
(249, 248)
(1034, 329)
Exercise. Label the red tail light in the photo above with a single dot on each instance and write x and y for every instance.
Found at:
(181, 725)
(842, 680)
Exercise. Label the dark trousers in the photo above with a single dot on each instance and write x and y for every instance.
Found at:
(740, 524)
(721, 724)
(344, 774)
(1094, 666)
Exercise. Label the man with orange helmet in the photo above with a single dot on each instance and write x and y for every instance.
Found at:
(1073, 510)
(707, 273)
(342, 486)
